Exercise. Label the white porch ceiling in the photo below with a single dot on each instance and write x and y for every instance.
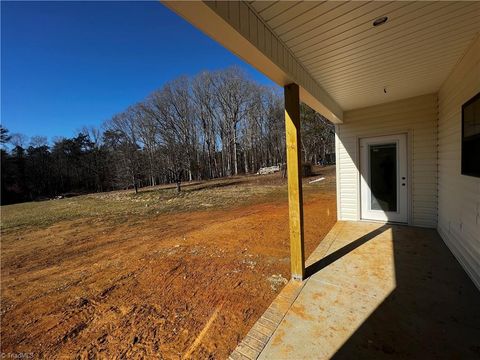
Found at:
(411, 54)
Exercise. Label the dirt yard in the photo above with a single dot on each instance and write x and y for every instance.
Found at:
(157, 275)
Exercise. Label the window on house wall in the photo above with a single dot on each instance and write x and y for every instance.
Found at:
(471, 137)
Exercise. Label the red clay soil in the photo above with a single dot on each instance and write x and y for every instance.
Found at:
(186, 285)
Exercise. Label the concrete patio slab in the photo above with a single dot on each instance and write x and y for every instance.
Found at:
(378, 291)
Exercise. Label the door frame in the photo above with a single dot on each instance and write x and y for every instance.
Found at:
(408, 206)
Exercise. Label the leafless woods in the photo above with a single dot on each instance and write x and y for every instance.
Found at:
(212, 125)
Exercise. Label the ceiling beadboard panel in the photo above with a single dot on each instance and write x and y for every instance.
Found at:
(361, 65)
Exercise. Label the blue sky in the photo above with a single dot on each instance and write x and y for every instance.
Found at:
(69, 64)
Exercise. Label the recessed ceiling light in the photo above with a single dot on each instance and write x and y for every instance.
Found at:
(380, 21)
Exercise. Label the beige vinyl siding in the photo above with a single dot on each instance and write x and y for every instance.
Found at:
(417, 117)
(458, 195)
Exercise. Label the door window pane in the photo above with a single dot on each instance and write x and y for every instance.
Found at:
(383, 177)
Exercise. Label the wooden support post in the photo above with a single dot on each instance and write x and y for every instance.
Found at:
(294, 171)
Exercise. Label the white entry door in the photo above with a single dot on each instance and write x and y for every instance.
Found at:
(384, 187)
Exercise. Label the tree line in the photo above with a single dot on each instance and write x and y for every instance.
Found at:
(212, 125)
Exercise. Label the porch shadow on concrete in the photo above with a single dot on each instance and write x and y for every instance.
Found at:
(433, 311)
(315, 267)
(379, 291)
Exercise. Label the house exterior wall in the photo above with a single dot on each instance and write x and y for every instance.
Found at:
(458, 195)
(417, 117)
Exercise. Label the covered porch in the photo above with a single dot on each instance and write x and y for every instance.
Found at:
(374, 290)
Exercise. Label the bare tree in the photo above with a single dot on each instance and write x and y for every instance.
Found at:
(19, 140)
(172, 110)
(121, 136)
(206, 109)
(232, 92)
(318, 136)
(148, 135)
(38, 141)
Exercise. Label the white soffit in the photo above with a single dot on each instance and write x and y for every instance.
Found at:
(411, 54)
